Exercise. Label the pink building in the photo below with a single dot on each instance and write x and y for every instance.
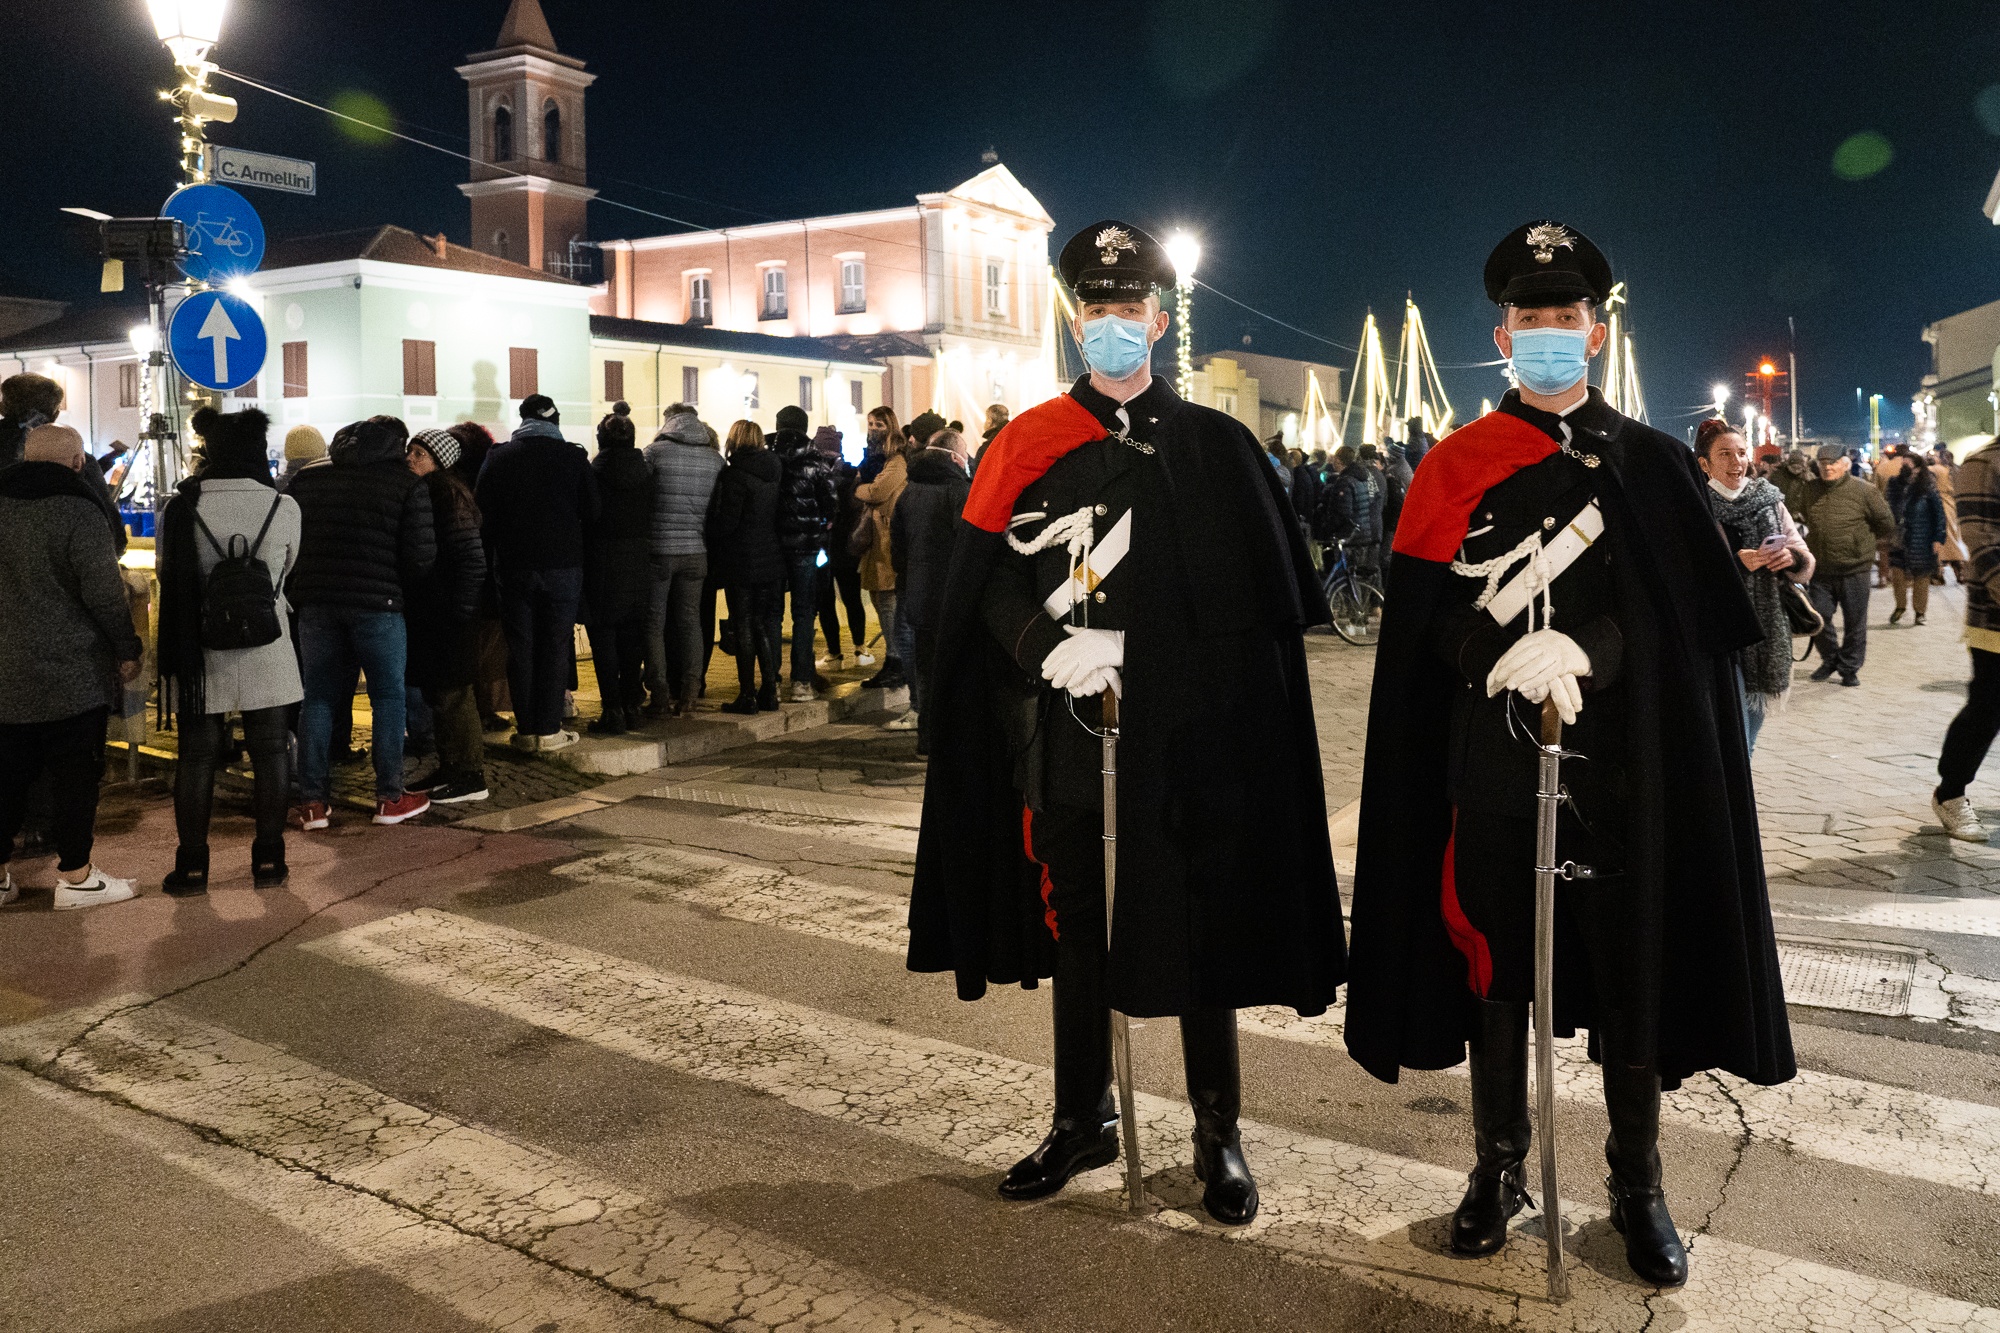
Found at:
(965, 272)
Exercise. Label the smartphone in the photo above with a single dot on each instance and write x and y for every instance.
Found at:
(1773, 544)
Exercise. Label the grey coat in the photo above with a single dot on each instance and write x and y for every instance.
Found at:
(62, 601)
(684, 477)
(240, 679)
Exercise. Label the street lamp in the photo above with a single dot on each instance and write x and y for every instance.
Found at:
(1184, 251)
(1721, 392)
(189, 29)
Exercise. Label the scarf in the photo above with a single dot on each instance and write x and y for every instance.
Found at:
(1747, 520)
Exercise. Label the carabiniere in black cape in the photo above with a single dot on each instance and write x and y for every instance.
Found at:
(1226, 889)
(1703, 959)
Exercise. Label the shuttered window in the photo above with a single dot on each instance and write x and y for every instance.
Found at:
(690, 385)
(295, 370)
(806, 392)
(523, 372)
(854, 393)
(128, 384)
(420, 375)
(614, 381)
(247, 391)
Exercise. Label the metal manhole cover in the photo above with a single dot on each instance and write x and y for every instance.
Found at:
(1855, 978)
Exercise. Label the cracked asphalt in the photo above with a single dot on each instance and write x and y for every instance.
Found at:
(658, 1065)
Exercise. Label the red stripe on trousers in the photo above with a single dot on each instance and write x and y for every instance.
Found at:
(1048, 885)
(1465, 937)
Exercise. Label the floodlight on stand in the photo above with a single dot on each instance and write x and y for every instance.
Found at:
(144, 338)
(1184, 252)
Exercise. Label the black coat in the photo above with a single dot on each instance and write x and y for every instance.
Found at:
(743, 544)
(810, 499)
(617, 562)
(443, 609)
(1226, 893)
(923, 531)
(365, 526)
(537, 498)
(1700, 961)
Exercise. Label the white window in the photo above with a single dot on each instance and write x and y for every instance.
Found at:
(701, 303)
(750, 389)
(853, 287)
(774, 293)
(996, 288)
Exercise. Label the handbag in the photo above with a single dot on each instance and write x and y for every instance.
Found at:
(1801, 614)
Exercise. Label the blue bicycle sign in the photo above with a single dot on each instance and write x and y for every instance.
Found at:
(225, 237)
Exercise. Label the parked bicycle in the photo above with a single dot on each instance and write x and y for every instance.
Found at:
(1355, 597)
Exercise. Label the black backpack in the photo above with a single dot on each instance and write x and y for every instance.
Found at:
(239, 603)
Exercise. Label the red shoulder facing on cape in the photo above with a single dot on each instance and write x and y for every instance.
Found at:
(1021, 453)
(1463, 466)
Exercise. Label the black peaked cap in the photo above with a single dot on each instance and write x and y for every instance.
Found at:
(1547, 263)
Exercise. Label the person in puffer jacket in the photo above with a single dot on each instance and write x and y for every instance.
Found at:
(750, 564)
(444, 620)
(680, 616)
(365, 535)
(808, 502)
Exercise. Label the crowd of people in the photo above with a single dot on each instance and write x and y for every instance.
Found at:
(449, 570)
(1353, 495)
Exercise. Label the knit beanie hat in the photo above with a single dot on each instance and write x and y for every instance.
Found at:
(827, 440)
(304, 444)
(793, 418)
(539, 407)
(443, 445)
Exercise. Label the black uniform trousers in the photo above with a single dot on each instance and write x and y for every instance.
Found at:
(1067, 844)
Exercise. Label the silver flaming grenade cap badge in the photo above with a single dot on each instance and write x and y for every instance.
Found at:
(1545, 238)
(1112, 240)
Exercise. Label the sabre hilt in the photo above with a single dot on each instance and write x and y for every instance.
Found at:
(1552, 725)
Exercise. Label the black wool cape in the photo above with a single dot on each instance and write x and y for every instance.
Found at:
(1703, 964)
(1226, 888)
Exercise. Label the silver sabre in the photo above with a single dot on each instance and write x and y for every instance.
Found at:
(1548, 801)
(1121, 1027)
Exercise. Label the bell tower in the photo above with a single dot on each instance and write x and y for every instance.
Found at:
(526, 103)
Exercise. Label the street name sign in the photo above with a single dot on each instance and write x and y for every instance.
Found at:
(217, 340)
(266, 171)
(225, 237)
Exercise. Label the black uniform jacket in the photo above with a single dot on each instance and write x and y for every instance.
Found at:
(1703, 965)
(1226, 891)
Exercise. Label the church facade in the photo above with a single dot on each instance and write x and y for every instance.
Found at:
(950, 292)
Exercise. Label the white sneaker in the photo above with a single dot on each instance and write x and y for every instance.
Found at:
(8, 893)
(864, 659)
(1960, 820)
(832, 661)
(802, 692)
(94, 890)
(907, 722)
(556, 740)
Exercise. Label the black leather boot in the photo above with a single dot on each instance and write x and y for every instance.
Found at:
(1085, 1135)
(1208, 1046)
(267, 862)
(1638, 1205)
(1495, 1191)
(190, 873)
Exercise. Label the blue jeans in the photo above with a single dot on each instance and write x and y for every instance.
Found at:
(802, 582)
(336, 644)
(538, 615)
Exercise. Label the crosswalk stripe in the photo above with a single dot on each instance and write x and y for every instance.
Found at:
(873, 837)
(1896, 1131)
(1326, 1203)
(475, 1183)
(1944, 916)
(488, 1284)
(786, 800)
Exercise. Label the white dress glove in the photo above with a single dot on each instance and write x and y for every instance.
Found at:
(1542, 665)
(1087, 662)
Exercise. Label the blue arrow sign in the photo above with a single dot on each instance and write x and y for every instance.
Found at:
(217, 340)
(225, 237)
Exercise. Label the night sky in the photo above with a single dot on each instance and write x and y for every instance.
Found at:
(1331, 157)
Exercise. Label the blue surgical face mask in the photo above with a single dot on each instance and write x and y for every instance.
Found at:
(1116, 347)
(1547, 361)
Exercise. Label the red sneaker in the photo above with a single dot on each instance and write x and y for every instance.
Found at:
(407, 806)
(313, 815)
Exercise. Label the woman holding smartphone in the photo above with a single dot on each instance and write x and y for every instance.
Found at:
(1768, 548)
